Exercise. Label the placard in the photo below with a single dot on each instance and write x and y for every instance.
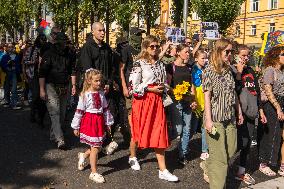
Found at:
(175, 35)
(210, 30)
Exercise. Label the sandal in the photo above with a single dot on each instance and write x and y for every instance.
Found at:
(82, 161)
(267, 171)
(246, 178)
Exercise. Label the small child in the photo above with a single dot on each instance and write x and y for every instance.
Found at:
(90, 121)
(200, 59)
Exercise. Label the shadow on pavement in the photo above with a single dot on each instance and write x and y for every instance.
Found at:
(22, 148)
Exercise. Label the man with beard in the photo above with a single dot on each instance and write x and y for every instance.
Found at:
(55, 70)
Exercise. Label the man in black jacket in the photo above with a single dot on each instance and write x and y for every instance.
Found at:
(97, 54)
(55, 72)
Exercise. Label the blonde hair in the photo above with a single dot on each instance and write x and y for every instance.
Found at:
(145, 44)
(216, 55)
(90, 73)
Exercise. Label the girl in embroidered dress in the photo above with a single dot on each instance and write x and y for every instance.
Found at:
(90, 121)
(149, 127)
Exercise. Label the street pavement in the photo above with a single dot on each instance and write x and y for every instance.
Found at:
(29, 160)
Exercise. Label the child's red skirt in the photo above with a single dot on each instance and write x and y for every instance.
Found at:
(92, 129)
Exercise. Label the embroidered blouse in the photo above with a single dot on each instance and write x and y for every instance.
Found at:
(144, 74)
(92, 102)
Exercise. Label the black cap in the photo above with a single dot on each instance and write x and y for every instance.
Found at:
(136, 31)
(121, 40)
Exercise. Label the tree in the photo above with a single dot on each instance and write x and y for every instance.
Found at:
(224, 12)
(124, 13)
(150, 10)
(177, 15)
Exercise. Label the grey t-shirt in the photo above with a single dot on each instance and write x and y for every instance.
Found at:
(275, 78)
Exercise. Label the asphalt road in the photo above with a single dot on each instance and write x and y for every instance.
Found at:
(29, 160)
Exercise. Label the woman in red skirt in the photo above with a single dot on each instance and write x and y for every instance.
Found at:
(149, 127)
(90, 121)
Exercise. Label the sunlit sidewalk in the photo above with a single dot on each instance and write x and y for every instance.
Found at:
(277, 183)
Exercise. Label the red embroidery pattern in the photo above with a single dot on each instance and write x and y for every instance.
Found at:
(97, 103)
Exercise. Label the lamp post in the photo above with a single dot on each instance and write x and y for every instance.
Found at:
(185, 15)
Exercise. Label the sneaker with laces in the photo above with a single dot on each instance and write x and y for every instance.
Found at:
(246, 178)
(134, 164)
(17, 108)
(61, 145)
(96, 177)
(82, 161)
(204, 156)
(166, 175)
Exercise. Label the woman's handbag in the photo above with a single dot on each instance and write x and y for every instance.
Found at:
(167, 100)
(112, 146)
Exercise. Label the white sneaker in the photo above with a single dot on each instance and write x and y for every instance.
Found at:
(134, 164)
(253, 142)
(96, 177)
(82, 161)
(166, 175)
(204, 156)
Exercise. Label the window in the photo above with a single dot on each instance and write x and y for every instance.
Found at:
(272, 27)
(238, 31)
(272, 4)
(253, 29)
(254, 5)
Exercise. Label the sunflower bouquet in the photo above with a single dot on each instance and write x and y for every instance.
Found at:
(181, 91)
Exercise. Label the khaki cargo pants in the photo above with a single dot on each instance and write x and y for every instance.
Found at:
(222, 146)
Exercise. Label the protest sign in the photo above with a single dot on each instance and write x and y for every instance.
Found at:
(210, 30)
(270, 40)
(175, 35)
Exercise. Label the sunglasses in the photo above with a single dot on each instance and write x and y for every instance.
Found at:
(154, 46)
(282, 54)
(229, 51)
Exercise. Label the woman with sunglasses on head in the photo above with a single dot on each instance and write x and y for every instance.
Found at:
(149, 127)
(177, 73)
(273, 104)
(221, 111)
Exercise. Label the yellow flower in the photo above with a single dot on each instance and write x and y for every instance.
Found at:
(178, 97)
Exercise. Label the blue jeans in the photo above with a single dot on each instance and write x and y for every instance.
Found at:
(10, 85)
(204, 147)
(181, 125)
(196, 121)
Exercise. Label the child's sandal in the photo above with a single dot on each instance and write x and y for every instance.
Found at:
(267, 171)
(82, 161)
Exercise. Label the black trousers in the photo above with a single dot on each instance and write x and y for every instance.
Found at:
(270, 136)
(245, 134)
(38, 106)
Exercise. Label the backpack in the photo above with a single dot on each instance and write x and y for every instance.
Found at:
(249, 103)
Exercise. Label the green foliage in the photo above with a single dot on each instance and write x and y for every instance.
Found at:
(177, 8)
(222, 11)
(124, 13)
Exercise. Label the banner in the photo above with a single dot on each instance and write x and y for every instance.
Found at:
(270, 40)
(175, 35)
(210, 30)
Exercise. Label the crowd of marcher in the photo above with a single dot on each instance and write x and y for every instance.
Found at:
(154, 92)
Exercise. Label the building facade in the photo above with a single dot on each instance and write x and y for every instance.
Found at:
(256, 17)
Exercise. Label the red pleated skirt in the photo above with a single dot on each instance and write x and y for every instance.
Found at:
(92, 129)
(149, 126)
